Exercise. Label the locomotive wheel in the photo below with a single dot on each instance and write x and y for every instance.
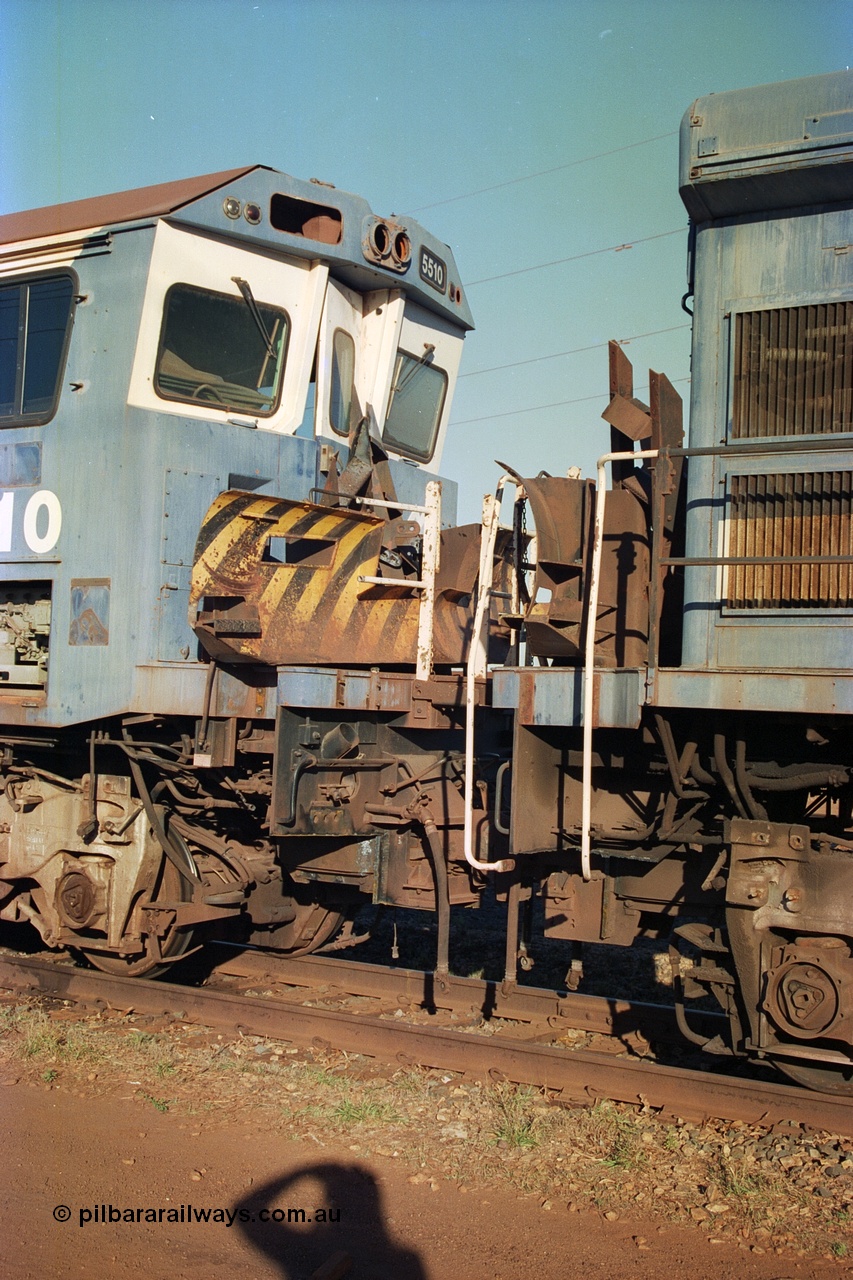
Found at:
(170, 887)
(822, 1077)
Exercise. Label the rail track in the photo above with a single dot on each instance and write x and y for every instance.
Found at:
(540, 1012)
(531, 1017)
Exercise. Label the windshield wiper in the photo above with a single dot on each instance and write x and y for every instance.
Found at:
(246, 290)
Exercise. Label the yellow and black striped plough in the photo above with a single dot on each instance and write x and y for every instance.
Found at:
(282, 582)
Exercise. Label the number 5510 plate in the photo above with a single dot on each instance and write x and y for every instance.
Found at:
(433, 270)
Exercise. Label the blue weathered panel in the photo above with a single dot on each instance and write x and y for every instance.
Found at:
(553, 696)
(186, 497)
(20, 465)
(505, 687)
(768, 147)
(779, 261)
(557, 696)
(176, 641)
(816, 693)
(307, 687)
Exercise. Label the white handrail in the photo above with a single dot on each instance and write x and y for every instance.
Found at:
(430, 563)
(477, 663)
(589, 650)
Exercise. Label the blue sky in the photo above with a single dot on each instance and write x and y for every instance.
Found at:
(522, 132)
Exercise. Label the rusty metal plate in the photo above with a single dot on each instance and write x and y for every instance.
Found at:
(283, 583)
(90, 612)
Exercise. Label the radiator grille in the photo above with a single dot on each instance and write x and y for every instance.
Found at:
(795, 514)
(793, 371)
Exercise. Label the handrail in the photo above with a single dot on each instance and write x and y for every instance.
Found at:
(478, 651)
(746, 448)
(430, 563)
(731, 450)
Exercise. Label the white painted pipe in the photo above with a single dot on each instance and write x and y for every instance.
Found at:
(477, 663)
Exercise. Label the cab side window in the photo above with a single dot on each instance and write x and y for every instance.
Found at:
(35, 325)
(343, 379)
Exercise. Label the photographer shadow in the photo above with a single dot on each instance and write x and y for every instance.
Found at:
(318, 1211)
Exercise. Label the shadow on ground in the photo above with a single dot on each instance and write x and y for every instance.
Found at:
(301, 1221)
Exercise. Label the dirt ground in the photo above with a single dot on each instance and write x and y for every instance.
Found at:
(71, 1154)
(140, 1144)
(92, 1154)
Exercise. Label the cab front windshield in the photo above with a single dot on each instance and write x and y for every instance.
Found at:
(417, 400)
(220, 350)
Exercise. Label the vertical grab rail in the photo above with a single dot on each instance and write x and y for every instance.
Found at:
(477, 664)
(430, 563)
(589, 648)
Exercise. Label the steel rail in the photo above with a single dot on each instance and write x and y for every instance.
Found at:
(575, 1075)
(603, 1015)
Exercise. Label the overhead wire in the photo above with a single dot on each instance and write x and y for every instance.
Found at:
(594, 346)
(542, 173)
(589, 253)
(557, 404)
(617, 248)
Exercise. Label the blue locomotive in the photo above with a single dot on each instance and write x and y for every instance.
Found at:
(279, 682)
(245, 334)
(683, 750)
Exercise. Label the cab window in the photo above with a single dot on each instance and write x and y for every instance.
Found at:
(343, 374)
(221, 350)
(417, 401)
(35, 324)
